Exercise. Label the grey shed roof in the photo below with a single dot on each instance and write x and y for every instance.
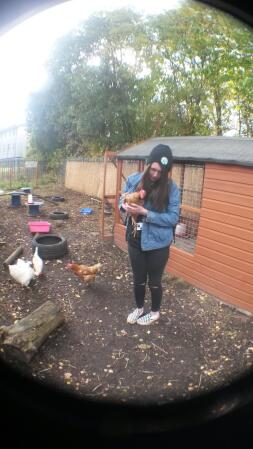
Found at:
(221, 150)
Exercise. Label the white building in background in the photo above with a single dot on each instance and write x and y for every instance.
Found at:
(13, 142)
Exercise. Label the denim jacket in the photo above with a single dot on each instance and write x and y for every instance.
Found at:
(157, 229)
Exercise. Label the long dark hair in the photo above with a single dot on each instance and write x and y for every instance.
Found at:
(156, 192)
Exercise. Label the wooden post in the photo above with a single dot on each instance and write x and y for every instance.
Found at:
(21, 341)
(37, 174)
(141, 165)
(118, 191)
(10, 173)
(108, 156)
(102, 217)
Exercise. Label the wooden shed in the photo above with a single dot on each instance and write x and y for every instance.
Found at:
(214, 242)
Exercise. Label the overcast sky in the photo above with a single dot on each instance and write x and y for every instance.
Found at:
(25, 48)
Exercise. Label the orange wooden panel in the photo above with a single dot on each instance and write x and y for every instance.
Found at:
(230, 186)
(227, 297)
(121, 244)
(213, 275)
(230, 198)
(120, 238)
(197, 275)
(185, 207)
(233, 220)
(220, 246)
(241, 175)
(245, 236)
(233, 209)
(235, 273)
(228, 168)
(119, 229)
(187, 256)
(234, 242)
(229, 260)
(119, 234)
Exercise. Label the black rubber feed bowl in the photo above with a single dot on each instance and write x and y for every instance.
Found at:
(50, 246)
(58, 215)
(57, 198)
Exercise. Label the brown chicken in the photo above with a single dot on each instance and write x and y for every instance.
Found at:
(136, 198)
(85, 272)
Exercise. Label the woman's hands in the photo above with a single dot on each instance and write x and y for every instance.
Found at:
(134, 209)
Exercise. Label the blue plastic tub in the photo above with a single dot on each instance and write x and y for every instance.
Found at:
(15, 199)
(86, 211)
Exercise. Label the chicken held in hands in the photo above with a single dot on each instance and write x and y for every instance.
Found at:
(85, 272)
(134, 198)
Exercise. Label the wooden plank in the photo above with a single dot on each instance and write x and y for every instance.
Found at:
(119, 237)
(228, 298)
(110, 197)
(223, 248)
(227, 218)
(230, 229)
(187, 208)
(245, 236)
(119, 229)
(230, 186)
(121, 245)
(233, 209)
(240, 176)
(217, 276)
(177, 251)
(235, 273)
(196, 275)
(229, 260)
(230, 198)
(227, 240)
(227, 168)
(118, 189)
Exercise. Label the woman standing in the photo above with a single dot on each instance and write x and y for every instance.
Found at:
(149, 240)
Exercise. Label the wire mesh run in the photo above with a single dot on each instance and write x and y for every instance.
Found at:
(187, 231)
(189, 178)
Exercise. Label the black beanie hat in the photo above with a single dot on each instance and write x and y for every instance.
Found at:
(163, 155)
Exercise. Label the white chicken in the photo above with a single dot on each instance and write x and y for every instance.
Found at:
(37, 263)
(22, 272)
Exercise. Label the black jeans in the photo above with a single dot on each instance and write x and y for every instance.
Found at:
(148, 266)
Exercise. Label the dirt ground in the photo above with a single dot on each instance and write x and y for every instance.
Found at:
(197, 345)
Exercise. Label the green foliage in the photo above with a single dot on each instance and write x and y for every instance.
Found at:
(122, 77)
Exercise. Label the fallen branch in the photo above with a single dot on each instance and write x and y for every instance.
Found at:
(43, 198)
(160, 349)
(96, 199)
(13, 256)
(21, 341)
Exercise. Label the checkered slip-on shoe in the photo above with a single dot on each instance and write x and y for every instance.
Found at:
(133, 317)
(147, 319)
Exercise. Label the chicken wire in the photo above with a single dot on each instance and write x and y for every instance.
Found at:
(189, 178)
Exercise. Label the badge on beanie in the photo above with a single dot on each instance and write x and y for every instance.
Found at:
(164, 161)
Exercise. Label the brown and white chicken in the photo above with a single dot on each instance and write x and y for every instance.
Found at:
(85, 272)
(134, 198)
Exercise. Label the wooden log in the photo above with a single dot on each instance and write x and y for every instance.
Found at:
(13, 256)
(20, 341)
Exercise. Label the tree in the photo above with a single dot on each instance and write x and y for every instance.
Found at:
(122, 77)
